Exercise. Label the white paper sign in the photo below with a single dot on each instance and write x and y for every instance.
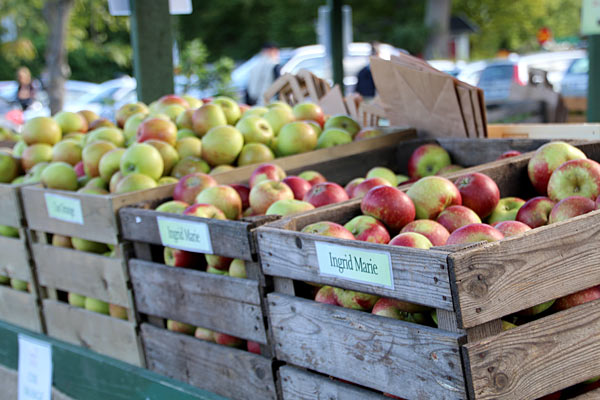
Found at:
(184, 235)
(64, 208)
(35, 369)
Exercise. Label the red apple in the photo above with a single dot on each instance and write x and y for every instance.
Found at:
(204, 211)
(182, 258)
(351, 186)
(173, 99)
(354, 300)
(191, 185)
(313, 177)
(474, 233)
(180, 327)
(325, 295)
(389, 205)
(227, 340)
(266, 193)
(427, 160)
(368, 184)
(367, 133)
(158, 129)
(546, 159)
(454, 217)
(79, 170)
(309, 111)
(535, 211)
(434, 231)
(411, 239)
(578, 298)
(298, 185)
(394, 308)
(253, 347)
(571, 207)
(479, 192)
(266, 172)
(368, 229)
(325, 193)
(511, 228)
(448, 169)
(327, 228)
(204, 334)
(218, 262)
(575, 178)
(432, 195)
(223, 197)
(508, 154)
(244, 192)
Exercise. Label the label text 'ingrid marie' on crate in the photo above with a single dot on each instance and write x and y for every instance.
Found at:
(353, 264)
(184, 235)
(64, 208)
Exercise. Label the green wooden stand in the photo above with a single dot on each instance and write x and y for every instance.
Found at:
(83, 374)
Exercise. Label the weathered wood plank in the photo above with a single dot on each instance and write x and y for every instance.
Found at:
(298, 384)
(420, 276)
(593, 395)
(221, 303)
(10, 205)
(14, 258)
(229, 372)
(103, 334)
(376, 352)
(85, 273)
(9, 379)
(500, 278)
(538, 358)
(20, 308)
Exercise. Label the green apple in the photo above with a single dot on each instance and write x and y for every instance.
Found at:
(96, 305)
(169, 154)
(183, 133)
(230, 108)
(110, 163)
(18, 148)
(67, 150)
(427, 160)
(189, 146)
(18, 284)
(113, 135)
(221, 168)
(93, 190)
(333, 137)
(206, 117)
(4, 280)
(288, 206)
(41, 130)
(71, 122)
(174, 111)
(383, 173)
(9, 231)
(222, 145)
(296, 137)
(343, 122)
(277, 117)
(506, 210)
(92, 154)
(76, 300)
(316, 127)
(184, 120)
(255, 129)
(173, 207)
(60, 175)
(78, 137)
(114, 180)
(142, 158)
(167, 180)
(88, 245)
(433, 194)
(9, 167)
(134, 182)
(131, 127)
(127, 110)
(180, 327)
(35, 154)
(192, 101)
(215, 271)
(18, 180)
(279, 104)
(189, 165)
(225, 198)
(256, 110)
(237, 268)
(61, 241)
(254, 153)
(97, 182)
(402, 178)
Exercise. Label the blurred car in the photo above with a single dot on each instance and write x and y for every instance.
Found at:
(555, 63)
(241, 74)
(575, 81)
(447, 66)
(496, 79)
(471, 72)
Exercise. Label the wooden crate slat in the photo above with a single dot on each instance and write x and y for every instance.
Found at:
(14, 258)
(373, 351)
(103, 334)
(419, 276)
(76, 271)
(298, 384)
(10, 205)
(538, 358)
(19, 308)
(216, 302)
(545, 131)
(228, 372)
(593, 395)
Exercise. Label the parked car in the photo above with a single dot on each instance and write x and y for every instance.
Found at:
(496, 79)
(575, 80)
(471, 72)
(447, 66)
(555, 63)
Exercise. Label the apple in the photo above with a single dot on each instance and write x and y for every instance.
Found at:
(355, 300)
(193, 102)
(244, 192)
(368, 184)
(93, 190)
(100, 122)
(180, 327)
(537, 309)
(96, 305)
(288, 206)
(204, 210)
(396, 309)
(89, 116)
(343, 122)
(571, 207)
(454, 217)
(327, 228)
(313, 177)
(173, 207)
(506, 210)
(411, 239)
(182, 258)
(266, 172)
(189, 146)
(68, 151)
(35, 154)
(184, 120)
(508, 154)
(479, 192)
(17, 150)
(61, 241)
(279, 104)
(279, 116)
(110, 163)
(309, 111)
(113, 135)
(267, 192)
(222, 145)
(97, 182)
(76, 300)
(117, 311)
(511, 228)
(215, 271)
(351, 186)
(432, 195)
(114, 181)
(255, 110)
(253, 347)
(184, 133)
(296, 137)
(383, 173)
(88, 245)
(333, 137)
(134, 182)
(367, 133)
(41, 130)
(19, 285)
(173, 111)
(427, 160)
(254, 153)
(218, 262)
(169, 155)
(255, 130)
(474, 233)
(389, 205)
(448, 169)
(204, 334)
(228, 340)
(368, 229)
(92, 154)
(172, 99)
(575, 178)
(191, 185)
(167, 180)
(224, 198)
(206, 117)
(325, 193)
(71, 122)
(189, 165)
(142, 158)
(157, 129)
(230, 108)
(432, 230)
(578, 298)
(9, 167)
(131, 126)
(237, 268)
(127, 110)
(326, 295)
(298, 185)
(535, 211)
(59, 175)
(546, 159)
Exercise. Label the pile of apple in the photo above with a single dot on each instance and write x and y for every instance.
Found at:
(435, 212)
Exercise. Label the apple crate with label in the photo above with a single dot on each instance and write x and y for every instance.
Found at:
(471, 287)
(20, 307)
(63, 270)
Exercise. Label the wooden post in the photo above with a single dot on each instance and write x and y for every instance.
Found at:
(336, 37)
(593, 105)
(152, 48)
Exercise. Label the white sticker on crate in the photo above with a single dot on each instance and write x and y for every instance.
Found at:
(35, 369)
(354, 264)
(184, 235)
(64, 208)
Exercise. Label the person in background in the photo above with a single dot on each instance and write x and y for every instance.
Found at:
(25, 90)
(365, 85)
(263, 74)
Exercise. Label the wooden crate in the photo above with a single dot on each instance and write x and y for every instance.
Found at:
(19, 308)
(553, 131)
(471, 287)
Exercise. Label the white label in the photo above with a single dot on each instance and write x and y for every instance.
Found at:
(184, 235)
(64, 208)
(355, 264)
(35, 369)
